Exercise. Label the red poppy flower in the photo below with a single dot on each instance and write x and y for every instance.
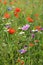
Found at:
(17, 10)
(18, 60)
(22, 63)
(30, 19)
(36, 15)
(36, 41)
(0, 0)
(38, 28)
(12, 3)
(11, 31)
(31, 44)
(16, 14)
(5, 2)
(6, 15)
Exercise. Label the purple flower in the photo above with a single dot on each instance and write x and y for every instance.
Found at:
(7, 26)
(41, 29)
(33, 35)
(22, 51)
(9, 8)
(25, 27)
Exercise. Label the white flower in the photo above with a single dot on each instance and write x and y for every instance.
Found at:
(21, 32)
(19, 28)
(13, 6)
(35, 30)
(40, 32)
(3, 18)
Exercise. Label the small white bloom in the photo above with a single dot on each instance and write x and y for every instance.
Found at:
(21, 32)
(3, 18)
(40, 32)
(34, 30)
(13, 6)
(22, 57)
(19, 28)
(5, 30)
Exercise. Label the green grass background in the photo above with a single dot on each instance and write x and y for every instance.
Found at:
(10, 44)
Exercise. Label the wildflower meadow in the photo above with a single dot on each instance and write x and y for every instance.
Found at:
(21, 32)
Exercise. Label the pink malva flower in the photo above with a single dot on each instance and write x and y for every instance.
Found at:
(25, 27)
(22, 51)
